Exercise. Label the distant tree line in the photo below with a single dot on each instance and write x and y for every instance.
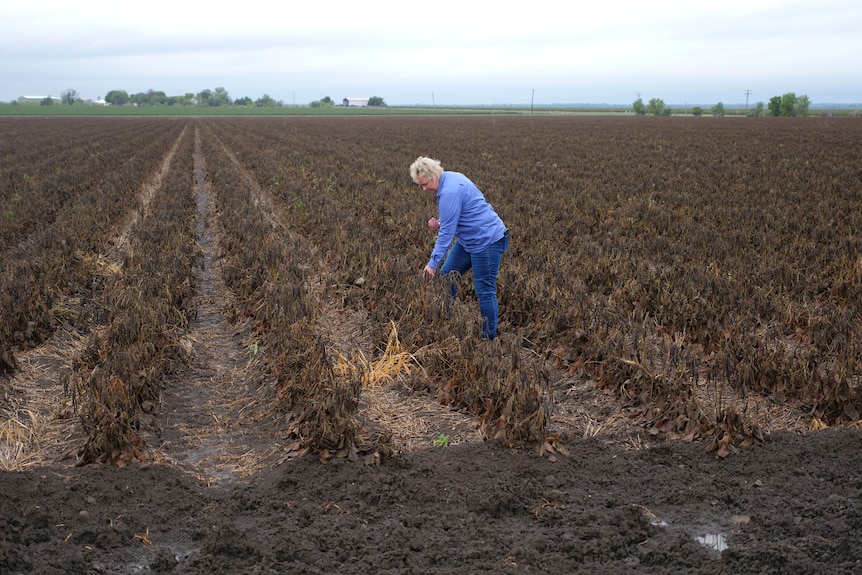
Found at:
(787, 105)
(217, 97)
(324, 102)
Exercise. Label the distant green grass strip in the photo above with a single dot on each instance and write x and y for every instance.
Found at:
(95, 110)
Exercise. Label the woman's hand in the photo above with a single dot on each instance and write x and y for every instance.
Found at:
(428, 272)
(434, 224)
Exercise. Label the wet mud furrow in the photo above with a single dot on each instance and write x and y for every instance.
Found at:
(210, 417)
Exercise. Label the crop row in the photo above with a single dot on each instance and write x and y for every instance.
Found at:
(147, 302)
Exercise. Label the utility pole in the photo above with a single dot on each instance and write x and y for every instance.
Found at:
(747, 92)
(532, 97)
(433, 104)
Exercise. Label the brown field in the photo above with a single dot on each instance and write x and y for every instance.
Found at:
(217, 354)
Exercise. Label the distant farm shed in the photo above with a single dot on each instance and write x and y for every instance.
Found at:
(355, 102)
(36, 99)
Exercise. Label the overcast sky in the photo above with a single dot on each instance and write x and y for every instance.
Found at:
(446, 52)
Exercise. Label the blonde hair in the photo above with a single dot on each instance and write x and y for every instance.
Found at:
(426, 168)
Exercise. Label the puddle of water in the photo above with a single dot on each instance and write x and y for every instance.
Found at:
(715, 541)
(146, 566)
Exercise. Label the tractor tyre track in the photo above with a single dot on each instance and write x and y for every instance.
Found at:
(213, 418)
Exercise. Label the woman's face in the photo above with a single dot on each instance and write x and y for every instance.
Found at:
(427, 184)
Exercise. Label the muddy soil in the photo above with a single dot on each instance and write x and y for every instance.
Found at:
(227, 492)
(791, 505)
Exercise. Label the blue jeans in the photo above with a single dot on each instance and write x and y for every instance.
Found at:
(486, 267)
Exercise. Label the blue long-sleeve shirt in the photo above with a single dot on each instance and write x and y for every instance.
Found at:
(463, 213)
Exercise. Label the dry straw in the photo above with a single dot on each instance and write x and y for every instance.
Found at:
(38, 427)
(394, 362)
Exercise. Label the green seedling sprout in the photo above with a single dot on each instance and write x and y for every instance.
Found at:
(442, 440)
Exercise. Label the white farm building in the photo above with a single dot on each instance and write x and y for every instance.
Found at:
(37, 99)
(355, 102)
